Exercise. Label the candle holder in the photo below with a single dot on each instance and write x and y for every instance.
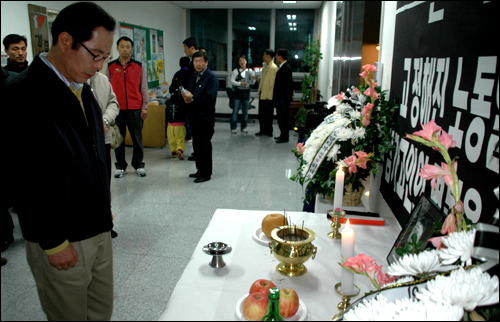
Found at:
(335, 233)
(345, 303)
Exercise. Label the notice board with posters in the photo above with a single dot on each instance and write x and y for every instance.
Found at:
(148, 49)
(445, 68)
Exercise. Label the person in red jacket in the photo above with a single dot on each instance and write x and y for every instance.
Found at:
(129, 80)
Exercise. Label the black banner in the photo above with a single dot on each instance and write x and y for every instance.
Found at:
(445, 68)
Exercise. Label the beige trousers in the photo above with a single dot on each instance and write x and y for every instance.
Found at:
(83, 292)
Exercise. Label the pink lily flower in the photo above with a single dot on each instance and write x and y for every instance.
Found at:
(356, 91)
(351, 163)
(428, 130)
(369, 68)
(365, 121)
(339, 97)
(371, 270)
(432, 172)
(353, 263)
(447, 140)
(384, 278)
(300, 148)
(459, 206)
(364, 74)
(450, 224)
(437, 242)
(448, 179)
(361, 154)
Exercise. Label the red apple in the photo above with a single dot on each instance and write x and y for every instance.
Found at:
(255, 306)
(262, 286)
(289, 302)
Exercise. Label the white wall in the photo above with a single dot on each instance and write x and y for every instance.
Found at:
(327, 23)
(152, 14)
(387, 31)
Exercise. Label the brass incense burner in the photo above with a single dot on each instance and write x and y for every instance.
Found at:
(292, 246)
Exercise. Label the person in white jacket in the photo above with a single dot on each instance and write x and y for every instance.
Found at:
(103, 92)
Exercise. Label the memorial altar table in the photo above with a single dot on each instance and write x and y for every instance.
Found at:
(205, 293)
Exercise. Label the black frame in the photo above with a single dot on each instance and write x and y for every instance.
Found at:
(421, 221)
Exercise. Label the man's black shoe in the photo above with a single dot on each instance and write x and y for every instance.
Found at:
(259, 134)
(114, 234)
(281, 140)
(269, 134)
(4, 261)
(201, 179)
(277, 137)
(191, 158)
(194, 175)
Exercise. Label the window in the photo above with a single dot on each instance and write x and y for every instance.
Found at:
(251, 29)
(209, 27)
(294, 31)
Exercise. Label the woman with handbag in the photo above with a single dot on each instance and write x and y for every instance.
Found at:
(239, 79)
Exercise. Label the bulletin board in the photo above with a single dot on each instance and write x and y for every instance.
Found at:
(148, 49)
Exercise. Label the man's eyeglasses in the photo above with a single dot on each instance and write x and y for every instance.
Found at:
(96, 57)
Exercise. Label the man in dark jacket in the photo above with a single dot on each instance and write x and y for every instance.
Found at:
(201, 97)
(15, 47)
(65, 207)
(283, 92)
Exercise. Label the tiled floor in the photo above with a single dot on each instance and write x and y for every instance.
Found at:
(161, 217)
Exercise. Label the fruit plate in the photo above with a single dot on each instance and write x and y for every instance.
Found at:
(260, 237)
(301, 314)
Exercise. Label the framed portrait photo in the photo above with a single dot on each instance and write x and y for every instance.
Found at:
(420, 224)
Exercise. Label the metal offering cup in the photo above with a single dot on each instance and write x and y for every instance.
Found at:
(292, 246)
(217, 249)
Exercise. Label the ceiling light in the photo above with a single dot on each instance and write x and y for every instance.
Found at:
(294, 28)
(294, 23)
(290, 24)
(288, 17)
(378, 47)
(289, 1)
(296, 56)
(252, 28)
(293, 17)
(291, 29)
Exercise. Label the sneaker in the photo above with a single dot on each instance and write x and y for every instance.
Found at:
(180, 154)
(188, 141)
(244, 131)
(174, 155)
(120, 173)
(141, 172)
(234, 131)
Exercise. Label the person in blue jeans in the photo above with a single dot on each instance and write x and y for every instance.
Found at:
(241, 94)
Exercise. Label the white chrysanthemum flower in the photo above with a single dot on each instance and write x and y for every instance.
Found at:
(332, 155)
(466, 289)
(342, 107)
(420, 265)
(359, 133)
(380, 309)
(355, 115)
(345, 134)
(458, 245)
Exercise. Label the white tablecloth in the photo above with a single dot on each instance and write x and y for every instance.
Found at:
(205, 293)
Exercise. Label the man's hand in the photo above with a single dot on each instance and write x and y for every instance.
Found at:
(243, 84)
(64, 259)
(187, 97)
(144, 114)
(258, 80)
(105, 127)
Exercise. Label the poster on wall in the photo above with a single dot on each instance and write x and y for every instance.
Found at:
(445, 68)
(140, 50)
(126, 31)
(154, 44)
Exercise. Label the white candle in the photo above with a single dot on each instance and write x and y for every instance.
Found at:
(347, 277)
(339, 189)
